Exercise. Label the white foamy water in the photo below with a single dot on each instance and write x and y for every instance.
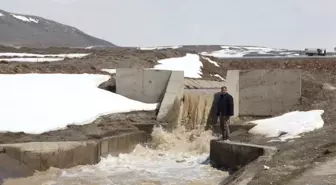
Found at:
(179, 157)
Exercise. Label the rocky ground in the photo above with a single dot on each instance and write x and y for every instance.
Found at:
(291, 160)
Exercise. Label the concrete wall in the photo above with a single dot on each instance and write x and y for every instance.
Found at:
(42, 155)
(171, 103)
(263, 92)
(145, 85)
(232, 84)
(268, 92)
(234, 155)
(153, 86)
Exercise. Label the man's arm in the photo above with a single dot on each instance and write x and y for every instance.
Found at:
(231, 106)
(215, 103)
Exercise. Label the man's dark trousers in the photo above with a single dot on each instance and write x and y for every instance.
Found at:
(224, 125)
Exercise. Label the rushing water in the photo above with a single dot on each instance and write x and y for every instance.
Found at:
(178, 157)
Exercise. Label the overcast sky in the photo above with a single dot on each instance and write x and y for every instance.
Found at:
(273, 23)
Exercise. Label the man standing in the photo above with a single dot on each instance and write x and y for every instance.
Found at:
(222, 107)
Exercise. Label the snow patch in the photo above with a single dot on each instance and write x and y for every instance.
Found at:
(68, 55)
(31, 59)
(240, 51)
(219, 76)
(190, 64)
(159, 47)
(89, 47)
(37, 103)
(111, 71)
(211, 61)
(25, 19)
(1, 15)
(289, 125)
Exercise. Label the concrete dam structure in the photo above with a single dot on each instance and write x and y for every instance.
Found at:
(183, 103)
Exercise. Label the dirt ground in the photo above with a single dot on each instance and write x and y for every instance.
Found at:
(293, 157)
(109, 125)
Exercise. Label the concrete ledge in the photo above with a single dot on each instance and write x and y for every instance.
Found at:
(43, 155)
(234, 127)
(233, 155)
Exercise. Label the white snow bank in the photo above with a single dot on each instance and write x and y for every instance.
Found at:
(190, 64)
(31, 59)
(111, 71)
(1, 14)
(159, 47)
(25, 19)
(36, 103)
(289, 125)
(69, 55)
(211, 61)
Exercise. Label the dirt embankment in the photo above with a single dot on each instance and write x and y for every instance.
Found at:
(305, 64)
(99, 59)
(105, 126)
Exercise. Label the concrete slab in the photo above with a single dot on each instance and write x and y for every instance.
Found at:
(235, 155)
(129, 82)
(145, 85)
(154, 84)
(42, 155)
(232, 84)
(268, 92)
(170, 105)
(234, 127)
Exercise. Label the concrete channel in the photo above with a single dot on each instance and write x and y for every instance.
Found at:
(240, 158)
(43, 155)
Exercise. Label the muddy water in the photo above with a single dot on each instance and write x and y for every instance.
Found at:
(196, 108)
(178, 157)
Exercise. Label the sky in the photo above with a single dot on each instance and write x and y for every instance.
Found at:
(291, 24)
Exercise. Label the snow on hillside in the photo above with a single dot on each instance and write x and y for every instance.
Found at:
(37, 32)
(1, 15)
(69, 55)
(43, 102)
(240, 51)
(211, 61)
(190, 64)
(25, 19)
(31, 59)
(289, 125)
(159, 47)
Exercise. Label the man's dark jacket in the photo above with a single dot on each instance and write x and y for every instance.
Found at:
(223, 104)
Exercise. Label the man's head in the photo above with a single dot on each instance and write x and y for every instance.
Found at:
(224, 89)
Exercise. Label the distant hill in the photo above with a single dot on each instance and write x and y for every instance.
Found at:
(33, 31)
